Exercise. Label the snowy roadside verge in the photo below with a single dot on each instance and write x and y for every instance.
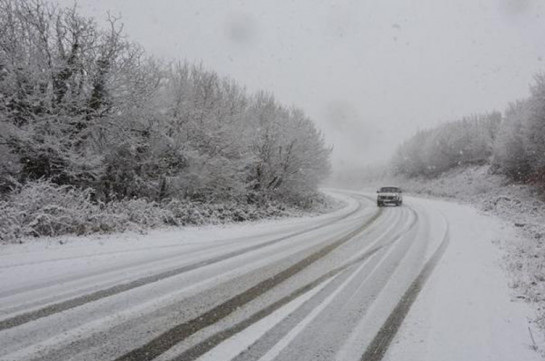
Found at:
(522, 211)
(32, 249)
(44, 209)
(47, 258)
(465, 311)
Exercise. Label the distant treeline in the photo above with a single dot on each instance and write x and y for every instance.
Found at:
(85, 107)
(512, 143)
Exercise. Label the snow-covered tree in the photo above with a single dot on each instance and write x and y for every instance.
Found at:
(83, 106)
(534, 129)
(509, 148)
(460, 143)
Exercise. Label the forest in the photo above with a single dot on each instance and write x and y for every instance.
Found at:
(512, 143)
(97, 136)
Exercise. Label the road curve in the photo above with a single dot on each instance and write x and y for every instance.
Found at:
(333, 287)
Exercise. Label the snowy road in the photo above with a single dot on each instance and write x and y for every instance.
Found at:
(333, 287)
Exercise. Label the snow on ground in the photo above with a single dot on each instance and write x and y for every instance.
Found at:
(82, 254)
(521, 204)
(465, 311)
(521, 207)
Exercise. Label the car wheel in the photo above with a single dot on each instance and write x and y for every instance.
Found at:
(379, 204)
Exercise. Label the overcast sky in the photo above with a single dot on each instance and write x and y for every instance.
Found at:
(369, 72)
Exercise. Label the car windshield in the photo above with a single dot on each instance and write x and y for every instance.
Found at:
(389, 189)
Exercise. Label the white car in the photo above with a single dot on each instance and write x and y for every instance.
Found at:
(389, 195)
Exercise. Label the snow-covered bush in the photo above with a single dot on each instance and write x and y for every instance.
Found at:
(85, 107)
(513, 144)
(520, 147)
(465, 142)
(534, 130)
(510, 154)
(42, 208)
(141, 212)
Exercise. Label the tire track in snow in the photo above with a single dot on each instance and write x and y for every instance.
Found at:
(380, 343)
(200, 349)
(298, 323)
(111, 291)
(178, 333)
(209, 343)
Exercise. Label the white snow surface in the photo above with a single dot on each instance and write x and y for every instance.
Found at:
(465, 311)
(521, 206)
